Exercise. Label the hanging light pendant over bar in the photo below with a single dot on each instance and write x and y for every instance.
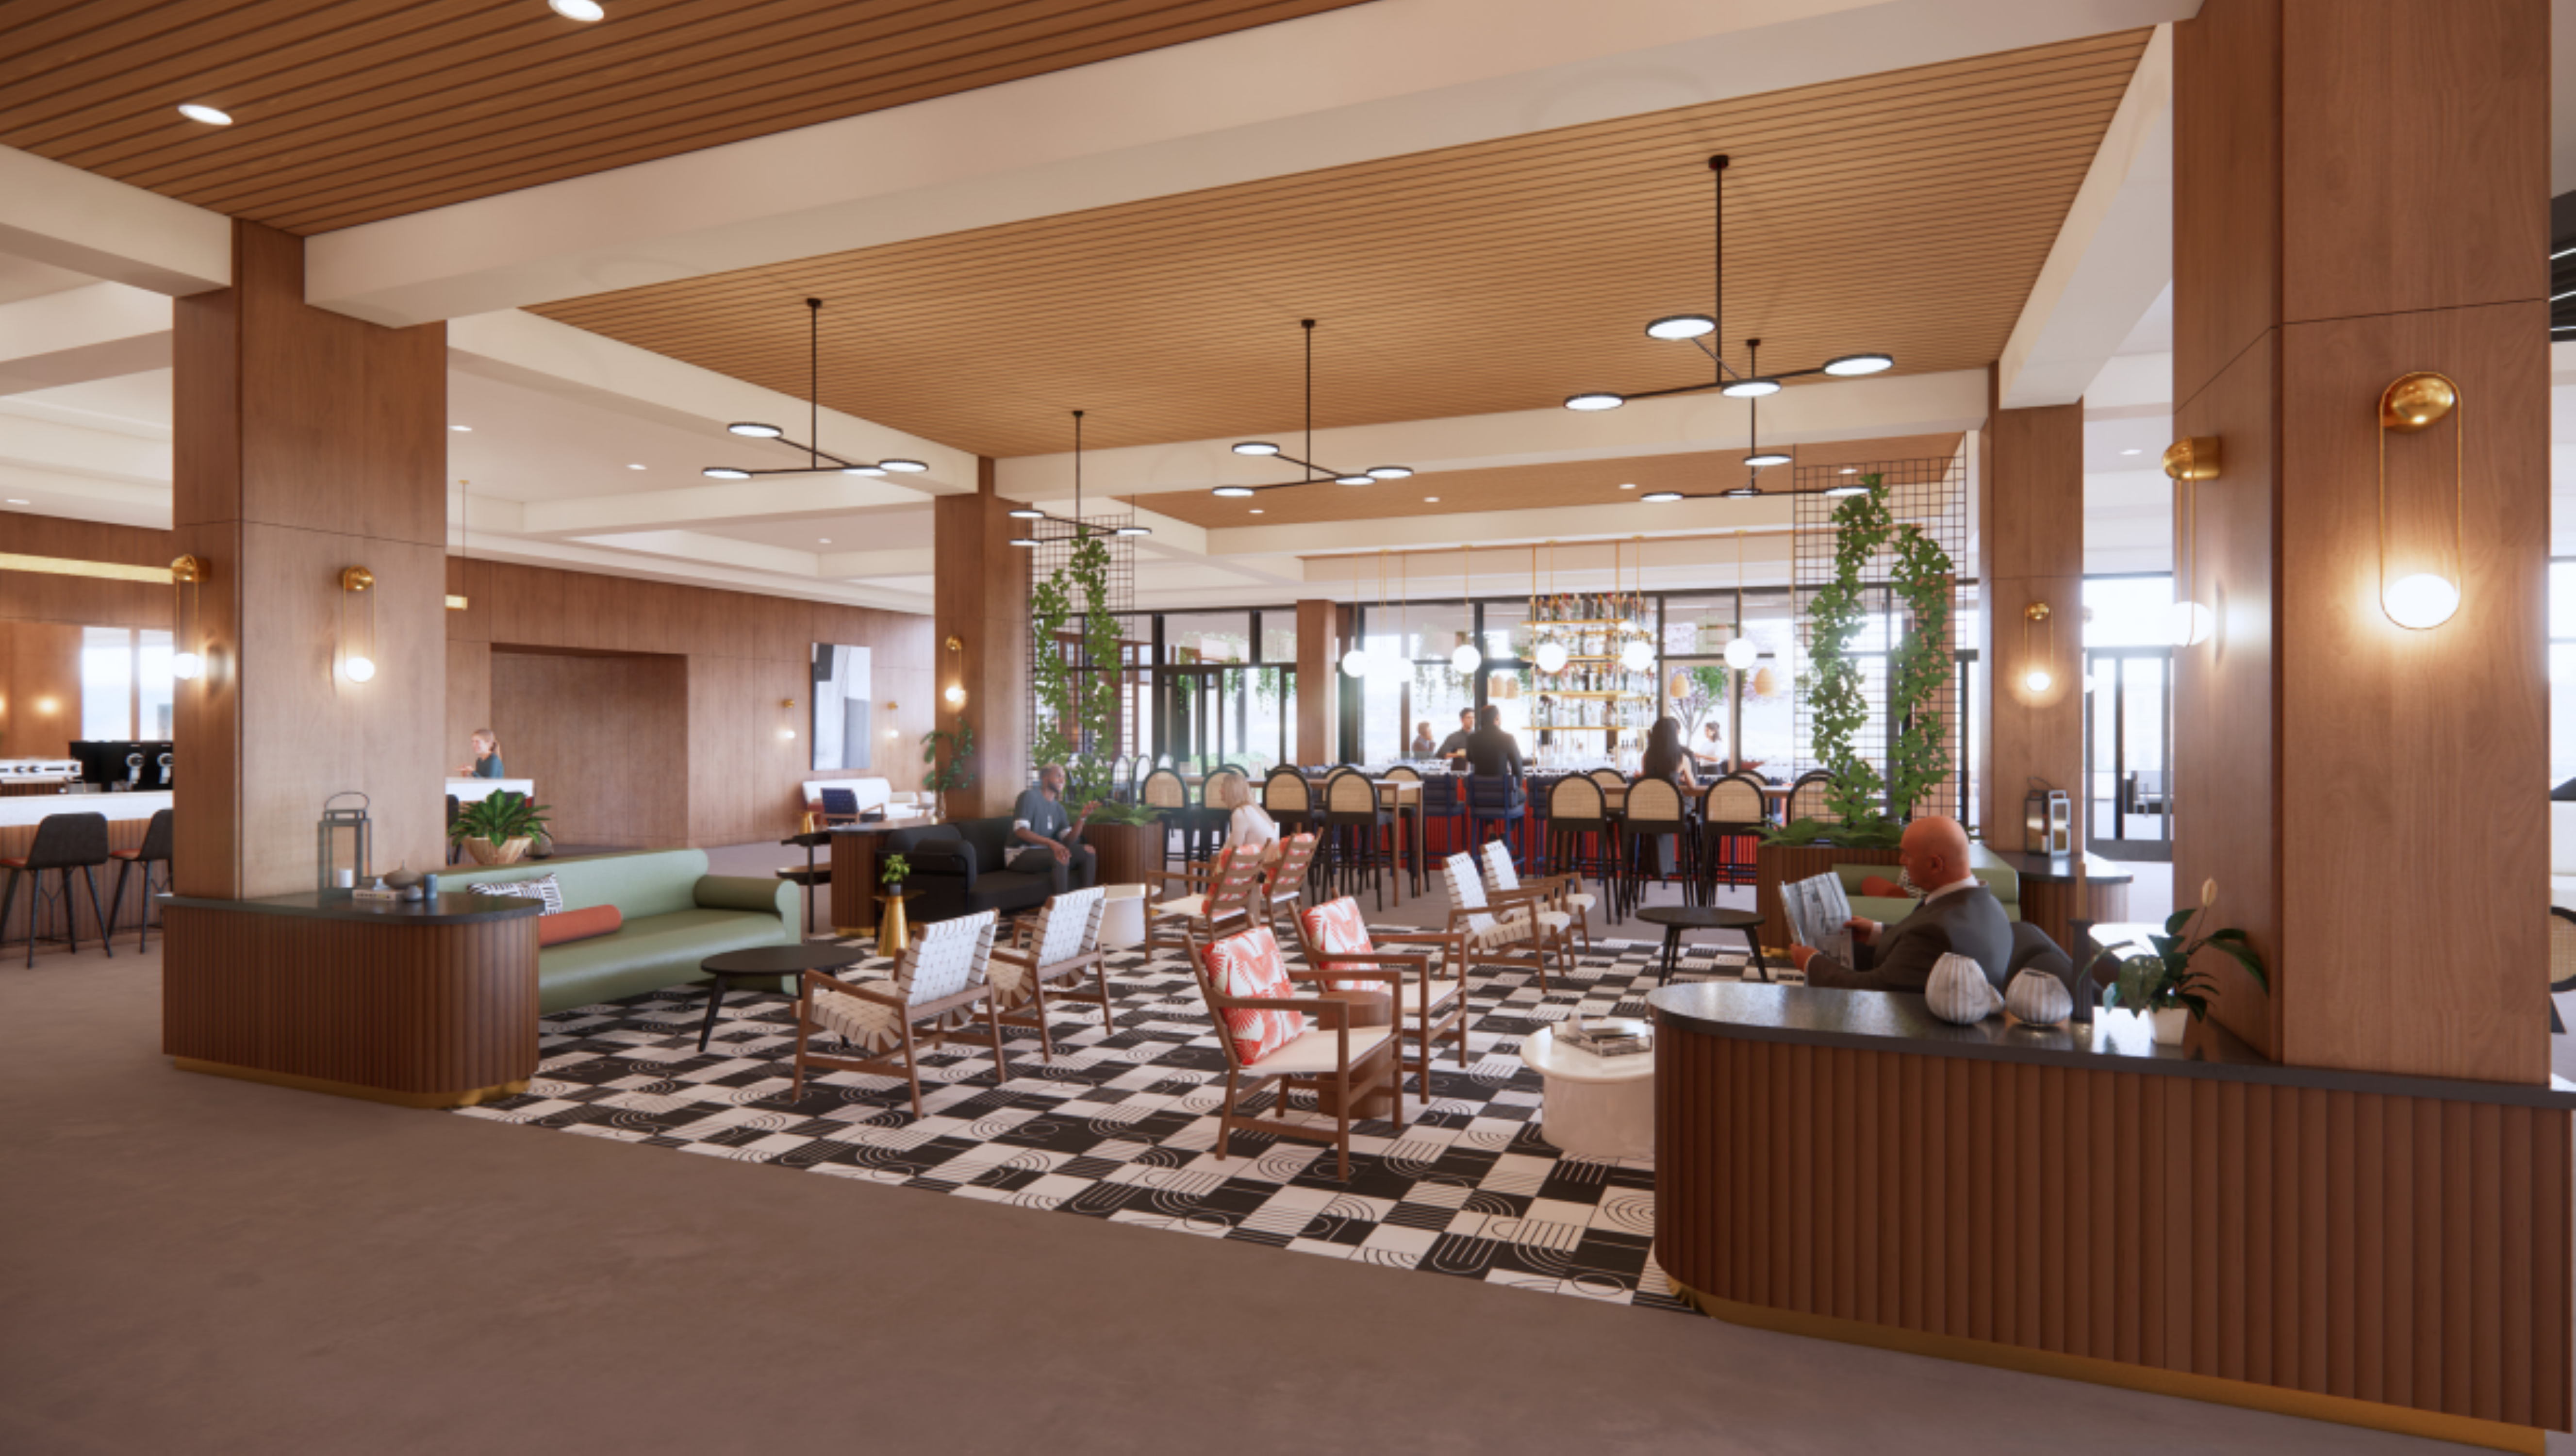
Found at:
(1075, 527)
(818, 461)
(1269, 449)
(1696, 327)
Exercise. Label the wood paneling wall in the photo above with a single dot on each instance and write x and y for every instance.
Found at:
(1319, 679)
(2397, 1249)
(2342, 218)
(745, 656)
(41, 615)
(602, 736)
(982, 599)
(2030, 512)
(39, 665)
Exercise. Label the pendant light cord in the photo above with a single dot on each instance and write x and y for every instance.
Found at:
(1717, 305)
(814, 383)
(1310, 395)
(1077, 472)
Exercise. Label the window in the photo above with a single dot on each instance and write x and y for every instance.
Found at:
(107, 681)
(2562, 671)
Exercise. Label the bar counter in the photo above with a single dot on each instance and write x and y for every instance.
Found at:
(429, 1004)
(2197, 1220)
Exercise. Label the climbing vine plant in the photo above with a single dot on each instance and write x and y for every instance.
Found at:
(1918, 755)
(1075, 693)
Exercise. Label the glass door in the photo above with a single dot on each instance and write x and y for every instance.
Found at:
(2128, 751)
(1243, 716)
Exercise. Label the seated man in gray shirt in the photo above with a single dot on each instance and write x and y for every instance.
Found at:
(1957, 913)
(1054, 843)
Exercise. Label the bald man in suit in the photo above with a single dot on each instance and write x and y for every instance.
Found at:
(1957, 914)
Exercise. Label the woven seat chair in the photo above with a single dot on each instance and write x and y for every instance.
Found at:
(1732, 815)
(1289, 800)
(1497, 924)
(1554, 892)
(942, 971)
(1431, 1004)
(1266, 1036)
(1164, 790)
(1654, 810)
(1807, 798)
(1574, 813)
(1051, 955)
(1360, 835)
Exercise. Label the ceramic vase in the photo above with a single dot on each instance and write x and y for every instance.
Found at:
(2169, 1024)
(508, 851)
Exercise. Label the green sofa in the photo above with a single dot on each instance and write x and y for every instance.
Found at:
(2001, 878)
(675, 913)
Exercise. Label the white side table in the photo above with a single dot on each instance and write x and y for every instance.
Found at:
(1122, 917)
(1595, 1107)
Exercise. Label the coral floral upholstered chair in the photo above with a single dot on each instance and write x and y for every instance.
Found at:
(1266, 1035)
(1429, 1009)
(1064, 944)
(941, 971)
(1507, 922)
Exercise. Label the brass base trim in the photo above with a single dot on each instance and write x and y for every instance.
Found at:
(466, 1098)
(2308, 1405)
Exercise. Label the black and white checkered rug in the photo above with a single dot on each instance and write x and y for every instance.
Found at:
(1122, 1126)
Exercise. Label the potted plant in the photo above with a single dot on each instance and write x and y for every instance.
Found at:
(498, 828)
(892, 873)
(1126, 841)
(2163, 984)
(955, 773)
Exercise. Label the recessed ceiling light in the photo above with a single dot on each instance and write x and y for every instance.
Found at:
(822, 540)
(13, 500)
(462, 429)
(584, 10)
(1256, 510)
(1631, 485)
(1851, 470)
(2133, 452)
(206, 114)
(1431, 500)
(634, 467)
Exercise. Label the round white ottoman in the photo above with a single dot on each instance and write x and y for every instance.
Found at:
(1122, 917)
(1595, 1107)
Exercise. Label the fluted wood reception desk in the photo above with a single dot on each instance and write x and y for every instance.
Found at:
(426, 1005)
(2079, 1201)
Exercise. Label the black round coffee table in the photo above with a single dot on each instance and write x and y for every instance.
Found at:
(1677, 918)
(768, 962)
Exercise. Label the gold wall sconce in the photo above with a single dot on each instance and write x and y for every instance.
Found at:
(2036, 678)
(788, 706)
(187, 619)
(956, 693)
(357, 656)
(2189, 463)
(2410, 405)
(892, 709)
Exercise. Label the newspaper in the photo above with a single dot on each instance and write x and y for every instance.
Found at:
(1820, 915)
(1607, 1038)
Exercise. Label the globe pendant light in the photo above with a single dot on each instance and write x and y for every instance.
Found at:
(815, 455)
(1467, 658)
(1638, 653)
(1266, 449)
(1699, 328)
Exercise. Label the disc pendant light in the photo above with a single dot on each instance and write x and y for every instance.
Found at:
(818, 461)
(1265, 449)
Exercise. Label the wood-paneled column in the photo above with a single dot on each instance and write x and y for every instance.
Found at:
(981, 598)
(1319, 652)
(307, 442)
(2030, 523)
(2362, 191)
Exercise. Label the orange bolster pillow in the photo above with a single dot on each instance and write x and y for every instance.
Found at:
(1880, 887)
(571, 925)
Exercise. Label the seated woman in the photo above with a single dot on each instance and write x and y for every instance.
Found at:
(1250, 829)
(1666, 758)
(487, 758)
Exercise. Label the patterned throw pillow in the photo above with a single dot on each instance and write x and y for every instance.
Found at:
(1337, 930)
(543, 887)
(1248, 965)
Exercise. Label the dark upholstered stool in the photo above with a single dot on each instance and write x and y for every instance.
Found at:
(155, 851)
(64, 843)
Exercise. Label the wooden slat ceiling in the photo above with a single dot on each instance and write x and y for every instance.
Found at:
(1908, 212)
(1532, 487)
(346, 111)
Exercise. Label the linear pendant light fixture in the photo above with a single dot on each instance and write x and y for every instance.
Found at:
(815, 455)
(1756, 460)
(1700, 327)
(1264, 448)
(1075, 527)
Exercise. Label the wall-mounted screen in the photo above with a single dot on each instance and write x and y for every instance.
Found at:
(841, 706)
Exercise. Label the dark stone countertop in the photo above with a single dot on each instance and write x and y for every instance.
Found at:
(1882, 1021)
(454, 908)
(2056, 868)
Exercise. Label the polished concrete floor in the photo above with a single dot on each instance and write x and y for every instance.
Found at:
(200, 1265)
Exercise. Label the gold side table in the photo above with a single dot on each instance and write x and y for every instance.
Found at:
(892, 932)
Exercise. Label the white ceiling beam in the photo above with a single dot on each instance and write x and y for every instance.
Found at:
(716, 550)
(85, 497)
(1510, 534)
(48, 444)
(103, 331)
(647, 567)
(1351, 85)
(109, 230)
(2113, 254)
(908, 561)
(732, 503)
(1855, 409)
(540, 354)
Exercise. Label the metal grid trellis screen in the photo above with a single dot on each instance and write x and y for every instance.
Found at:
(1053, 553)
(1931, 493)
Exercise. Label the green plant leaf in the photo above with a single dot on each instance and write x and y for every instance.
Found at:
(2180, 918)
(2244, 955)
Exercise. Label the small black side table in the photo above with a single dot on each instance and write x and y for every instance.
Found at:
(1677, 918)
(769, 962)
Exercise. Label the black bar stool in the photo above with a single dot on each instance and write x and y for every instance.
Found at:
(155, 851)
(64, 842)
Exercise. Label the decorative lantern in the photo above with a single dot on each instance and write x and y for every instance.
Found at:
(342, 843)
(2048, 821)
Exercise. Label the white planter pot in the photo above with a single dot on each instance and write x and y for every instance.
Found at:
(2169, 1024)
